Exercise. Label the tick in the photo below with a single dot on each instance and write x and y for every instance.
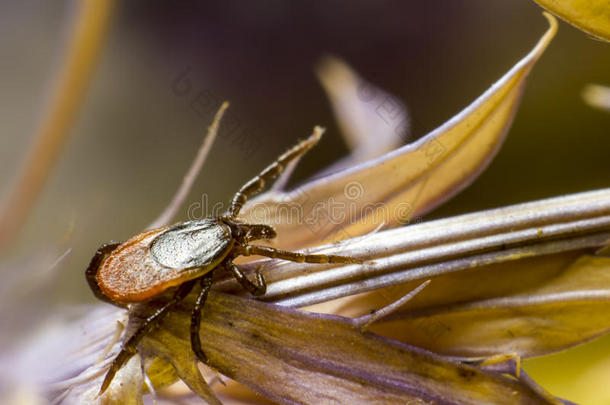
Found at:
(178, 257)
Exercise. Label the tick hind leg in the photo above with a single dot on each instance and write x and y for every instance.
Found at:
(257, 289)
(130, 347)
(266, 251)
(255, 185)
(206, 285)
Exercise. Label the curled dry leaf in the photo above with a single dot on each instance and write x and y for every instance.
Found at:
(590, 16)
(404, 183)
(291, 356)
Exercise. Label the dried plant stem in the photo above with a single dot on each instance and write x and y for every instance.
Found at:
(78, 63)
(422, 251)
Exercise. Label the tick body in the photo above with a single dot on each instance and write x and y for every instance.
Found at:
(155, 260)
(187, 254)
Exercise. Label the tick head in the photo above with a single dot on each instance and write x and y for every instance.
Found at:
(267, 232)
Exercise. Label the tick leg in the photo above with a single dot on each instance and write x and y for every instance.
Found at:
(206, 284)
(255, 185)
(293, 256)
(91, 273)
(130, 347)
(255, 289)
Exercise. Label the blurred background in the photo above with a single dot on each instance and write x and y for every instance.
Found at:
(137, 132)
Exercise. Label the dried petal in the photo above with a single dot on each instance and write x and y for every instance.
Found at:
(372, 121)
(568, 309)
(590, 16)
(172, 349)
(404, 183)
(291, 356)
(126, 390)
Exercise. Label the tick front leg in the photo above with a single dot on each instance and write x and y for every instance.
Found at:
(294, 256)
(130, 347)
(206, 285)
(255, 289)
(255, 185)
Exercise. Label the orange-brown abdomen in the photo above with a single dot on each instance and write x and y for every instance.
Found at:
(155, 260)
(130, 273)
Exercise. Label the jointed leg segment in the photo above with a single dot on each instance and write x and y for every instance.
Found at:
(206, 285)
(255, 185)
(257, 289)
(294, 256)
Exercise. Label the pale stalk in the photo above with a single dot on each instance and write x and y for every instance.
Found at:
(425, 250)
